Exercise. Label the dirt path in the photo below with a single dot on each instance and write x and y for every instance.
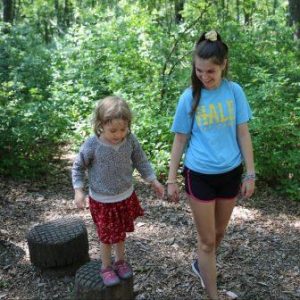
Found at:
(259, 258)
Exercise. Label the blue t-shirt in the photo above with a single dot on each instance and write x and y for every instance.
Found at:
(213, 147)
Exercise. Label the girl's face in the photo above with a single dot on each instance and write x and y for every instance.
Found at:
(115, 131)
(209, 73)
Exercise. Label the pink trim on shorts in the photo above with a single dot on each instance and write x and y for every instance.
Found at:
(191, 193)
(199, 200)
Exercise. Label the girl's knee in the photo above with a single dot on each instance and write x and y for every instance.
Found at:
(207, 245)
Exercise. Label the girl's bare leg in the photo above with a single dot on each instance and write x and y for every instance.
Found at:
(204, 219)
(120, 251)
(223, 211)
(105, 255)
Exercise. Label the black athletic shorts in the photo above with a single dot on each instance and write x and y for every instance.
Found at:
(208, 187)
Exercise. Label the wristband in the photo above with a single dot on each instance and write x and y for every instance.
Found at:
(247, 177)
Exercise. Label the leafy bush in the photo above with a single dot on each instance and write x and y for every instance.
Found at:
(270, 73)
(49, 91)
(32, 125)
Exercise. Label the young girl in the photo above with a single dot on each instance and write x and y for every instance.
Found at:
(212, 114)
(110, 156)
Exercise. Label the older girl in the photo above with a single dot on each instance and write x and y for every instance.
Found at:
(212, 116)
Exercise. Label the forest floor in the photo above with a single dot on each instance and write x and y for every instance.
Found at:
(258, 259)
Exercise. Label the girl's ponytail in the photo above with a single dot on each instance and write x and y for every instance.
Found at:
(209, 46)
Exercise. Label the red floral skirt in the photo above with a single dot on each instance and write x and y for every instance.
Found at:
(113, 220)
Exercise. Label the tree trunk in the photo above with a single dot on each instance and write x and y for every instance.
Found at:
(179, 4)
(17, 10)
(47, 38)
(57, 12)
(294, 8)
(66, 14)
(8, 11)
(249, 8)
(224, 5)
(247, 18)
(238, 10)
(275, 4)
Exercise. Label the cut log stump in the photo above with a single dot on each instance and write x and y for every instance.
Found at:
(89, 285)
(58, 244)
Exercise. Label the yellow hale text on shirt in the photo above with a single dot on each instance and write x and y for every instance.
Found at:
(215, 113)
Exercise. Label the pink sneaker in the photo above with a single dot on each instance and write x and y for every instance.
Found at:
(123, 269)
(109, 277)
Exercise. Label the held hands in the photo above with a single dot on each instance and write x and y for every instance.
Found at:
(158, 188)
(79, 198)
(173, 191)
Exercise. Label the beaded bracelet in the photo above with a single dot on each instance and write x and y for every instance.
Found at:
(247, 177)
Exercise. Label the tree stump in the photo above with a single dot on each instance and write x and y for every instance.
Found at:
(58, 244)
(89, 285)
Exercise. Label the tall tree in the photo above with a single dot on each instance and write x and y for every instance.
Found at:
(179, 4)
(68, 13)
(294, 8)
(248, 7)
(8, 11)
(275, 4)
(238, 10)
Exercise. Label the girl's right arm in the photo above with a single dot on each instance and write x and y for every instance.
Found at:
(82, 161)
(179, 143)
(78, 172)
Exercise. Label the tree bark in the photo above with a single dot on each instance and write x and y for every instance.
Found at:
(8, 11)
(66, 14)
(294, 8)
(47, 38)
(17, 11)
(179, 4)
(275, 4)
(238, 10)
(248, 12)
(57, 12)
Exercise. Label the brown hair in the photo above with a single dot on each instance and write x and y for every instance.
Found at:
(108, 109)
(217, 51)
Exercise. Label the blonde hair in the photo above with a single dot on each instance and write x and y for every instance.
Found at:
(108, 109)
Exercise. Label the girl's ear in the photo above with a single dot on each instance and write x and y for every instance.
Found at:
(224, 64)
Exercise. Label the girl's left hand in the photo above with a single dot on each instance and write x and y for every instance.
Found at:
(158, 188)
(248, 187)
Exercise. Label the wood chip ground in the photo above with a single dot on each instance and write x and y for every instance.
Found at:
(258, 259)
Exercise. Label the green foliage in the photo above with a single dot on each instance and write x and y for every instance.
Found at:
(136, 49)
(31, 123)
(270, 73)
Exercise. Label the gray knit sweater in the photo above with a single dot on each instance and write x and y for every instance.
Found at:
(110, 168)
